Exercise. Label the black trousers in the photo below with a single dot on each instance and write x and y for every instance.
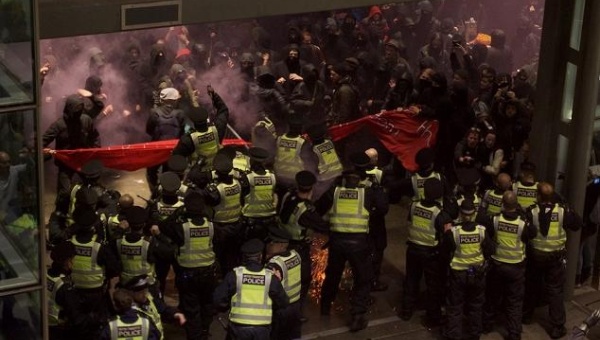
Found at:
(356, 251)
(286, 323)
(545, 274)
(378, 241)
(162, 268)
(303, 249)
(226, 244)
(464, 304)
(240, 332)
(195, 288)
(424, 261)
(505, 288)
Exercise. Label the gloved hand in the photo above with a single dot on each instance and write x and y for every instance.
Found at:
(593, 319)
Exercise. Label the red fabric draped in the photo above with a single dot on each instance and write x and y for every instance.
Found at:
(401, 132)
(129, 157)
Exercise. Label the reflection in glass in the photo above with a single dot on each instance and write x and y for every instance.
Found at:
(16, 53)
(19, 235)
(569, 92)
(21, 316)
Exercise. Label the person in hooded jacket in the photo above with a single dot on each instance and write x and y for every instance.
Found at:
(500, 56)
(308, 96)
(74, 130)
(288, 72)
(401, 92)
(376, 24)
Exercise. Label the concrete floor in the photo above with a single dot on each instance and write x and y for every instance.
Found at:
(384, 324)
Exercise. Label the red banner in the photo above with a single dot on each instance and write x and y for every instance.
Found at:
(129, 157)
(401, 132)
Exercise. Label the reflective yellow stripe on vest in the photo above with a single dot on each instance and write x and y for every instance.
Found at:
(509, 247)
(260, 200)
(526, 194)
(86, 271)
(290, 266)
(348, 214)
(293, 226)
(206, 145)
(375, 175)
(251, 304)
(152, 313)
(329, 163)
(139, 330)
(229, 209)
(287, 159)
(494, 202)
(53, 284)
(134, 257)
(557, 237)
(165, 210)
(422, 229)
(72, 202)
(241, 162)
(197, 250)
(468, 251)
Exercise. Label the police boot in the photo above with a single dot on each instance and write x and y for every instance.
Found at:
(359, 322)
(557, 332)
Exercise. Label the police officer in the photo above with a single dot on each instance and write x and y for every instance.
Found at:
(196, 270)
(350, 206)
(89, 174)
(59, 286)
(329, 166)
(526, 187)
(169, 207)
(371, 175)
(94, 265)
(178, 164)
(138, 253)
(225, 196)
(260, 199)
(151, 305)
(427, 220)
(165, 122)
(468, 179)
(128, 324)
(289, 157)
(506, 277)
(251, 293)
(492, 199)
(298, 215)
(468, 247)
(546, 257)
(425, 159)
(286, 265)
(202, 144)
(117, 222)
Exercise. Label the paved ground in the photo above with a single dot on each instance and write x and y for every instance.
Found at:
(383, 321)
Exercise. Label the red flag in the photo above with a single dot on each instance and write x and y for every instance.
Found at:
(129, 157)
(401, 132)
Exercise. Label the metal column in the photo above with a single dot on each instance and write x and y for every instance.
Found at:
(581, 129)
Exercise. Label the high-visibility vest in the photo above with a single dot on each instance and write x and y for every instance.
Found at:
(86, 271)
(260, 200)
(229, 208)
(53, 284)
(557, 237)
(290, 276)
(422, 231)
(293, 226)
(72, 202)
(374, 175)
(197, 250)
(493, 201)
(476, 203)
(251, 303)
(418, 182)
(468, 251)
(206, 145)
(287, 158)
(526, 194)
(150, 311)
(241, 162)
(138, 330)
(329, 163)
(509, 247)
(134, 258)
(165, 210)
(348, 214)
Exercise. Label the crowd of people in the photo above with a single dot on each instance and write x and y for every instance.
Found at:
(236, 223)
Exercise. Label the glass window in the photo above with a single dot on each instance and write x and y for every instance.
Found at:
(16, 53)
(577, 24)
(561, 161)
(19, 213)
(569, 92)
(21, 316)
